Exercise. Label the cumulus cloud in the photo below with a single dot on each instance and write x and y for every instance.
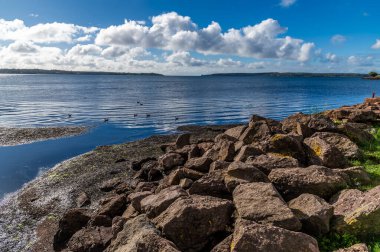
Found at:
(376, 45)
(338, 39)
(287, 3)
(16, 30)
(364, 61)
(174, 32)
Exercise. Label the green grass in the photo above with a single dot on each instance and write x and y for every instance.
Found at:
(371, 163)
(371, 160)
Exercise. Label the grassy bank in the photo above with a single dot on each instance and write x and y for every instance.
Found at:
(371, 162)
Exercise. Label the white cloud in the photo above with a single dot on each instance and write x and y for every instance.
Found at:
(34, 15)
(287, 3)
(363, 61)
(16, 30)
(173, 32)
(338, 39)
(376, 45)
(333, 58)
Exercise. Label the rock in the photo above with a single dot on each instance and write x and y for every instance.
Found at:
(146, 187)
(321, 152)
(267, 162)
(289, 124)
(136, 198)
(260, 202)
(357, 212)
(212, 154)
(306, 125)
(223, 246)
(238, 145)
(94, 239)
(236, 131)
(175, 177)
(117, 225)
(362, 116)
(72, 221)
(182, 141)
(185, 183)
(286, 145)
(317, 180)
(314, 213)
(171, 160)
(357, 132)
(191, 222)
(115, 206)
(194, 152)
(250, 236)
(246, 152)
(257, 131)
(150, 171)
(211, 184)
(361, 247)
(219, 165)
(101, 221)
(273, 125)
(110, 184)
(348, 148)
(219, 139)
(140, 235)
(227, 151)
(83, 200)
(155, 204)
(240, 173)
(320, 122)
(201, 164)
(355, 176)
(130, 213)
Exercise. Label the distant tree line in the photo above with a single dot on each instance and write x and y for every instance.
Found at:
(373, 74)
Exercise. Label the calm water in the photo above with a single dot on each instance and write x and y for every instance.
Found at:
(46, 100)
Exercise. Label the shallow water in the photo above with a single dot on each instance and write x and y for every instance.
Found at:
(161, 104)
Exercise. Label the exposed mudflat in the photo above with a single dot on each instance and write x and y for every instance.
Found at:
(16, 136)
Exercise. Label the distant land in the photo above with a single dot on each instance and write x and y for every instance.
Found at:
(274, 74)
(41, 71)
(277, 74)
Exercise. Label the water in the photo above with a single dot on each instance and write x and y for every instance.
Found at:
(46, 100)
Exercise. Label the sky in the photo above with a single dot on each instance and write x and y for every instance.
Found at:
(191, 37)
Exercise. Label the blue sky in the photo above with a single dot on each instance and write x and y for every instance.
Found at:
(325, 36)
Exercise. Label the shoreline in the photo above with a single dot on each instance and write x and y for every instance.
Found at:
(35, 211)
(11, 136)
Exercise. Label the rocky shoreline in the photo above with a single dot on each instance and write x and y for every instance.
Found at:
(16, 136)
(264, 186)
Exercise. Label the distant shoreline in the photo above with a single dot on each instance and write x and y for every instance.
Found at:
(271, 74)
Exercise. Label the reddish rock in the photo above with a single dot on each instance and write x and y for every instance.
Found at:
(191, 222)
(227, 151)
(219, 165)
(250, 236)
(317, 180)
(201, 164)
(182, 141)
(155, 204)
(270, 161)
(236, 131)
(171, 160)
(260, 202)
(136, 198)
(94, 239)
(211, 184)
(115, 206)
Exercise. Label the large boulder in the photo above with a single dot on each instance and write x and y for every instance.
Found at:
(201, 164)
(357, 212)
(227, 151)
(247, 151)
(223, 246)
(267, 162)
(236, 131)
(317, 180)
(171, 160)
(348, 148)
(306, 125)
(182, 140)
(94, 239)
(249, 236)
(72, 221)
(140, 235)
(286, 145)
(240, 173)
(115, 206)
(353, 115)
(155, 204)
(361, 247)
(176, 176)
(355, 176)
(314, 212)
(321, 152)
(211, 184)
(260, 202)
(360, 133)
(191, 222)
(256, 132)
